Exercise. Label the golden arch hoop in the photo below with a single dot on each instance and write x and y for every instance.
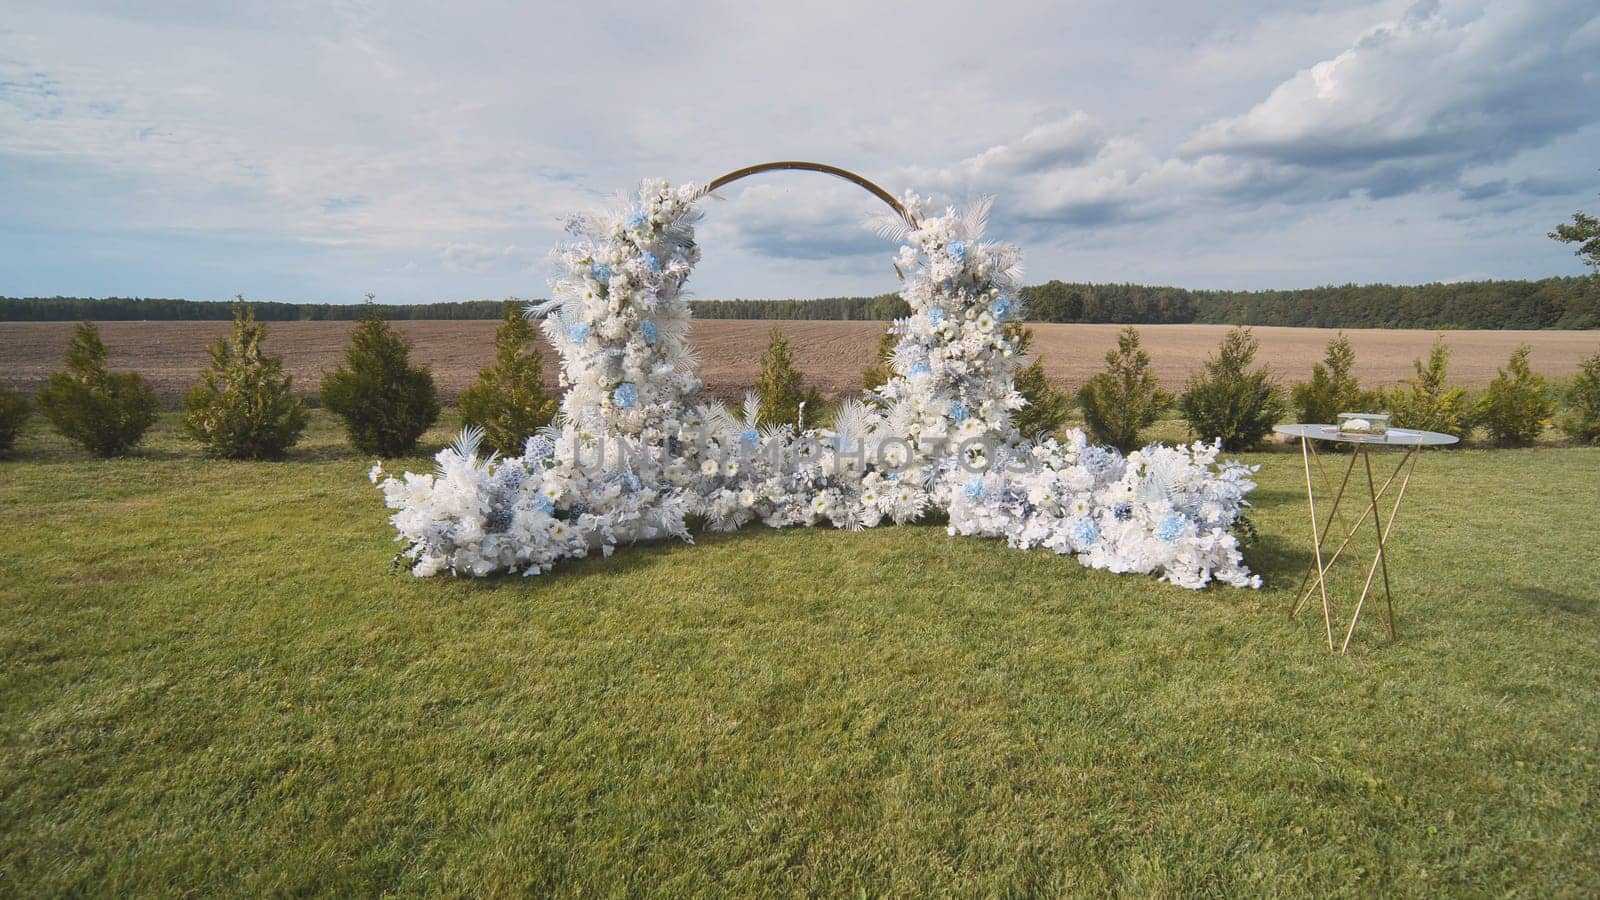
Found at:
(801, 166)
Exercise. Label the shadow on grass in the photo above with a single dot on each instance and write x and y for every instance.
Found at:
(1277, 560)
(1548, 599)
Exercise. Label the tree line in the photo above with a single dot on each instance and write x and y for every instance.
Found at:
(1560, 303)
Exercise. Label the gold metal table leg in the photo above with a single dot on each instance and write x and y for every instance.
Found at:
(1350, 531)
(1381, 557)
(1315, 579)
(1303, 593)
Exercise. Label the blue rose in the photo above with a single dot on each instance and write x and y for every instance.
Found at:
(936, 315)
(958, 249)
(578, 331)
(1172, 528)
(958, 411)
(1001, 308)
(973, 489)
(601, 272)
(638, 219)
(650, 331)
(544, 505)
(651, 263)
(920, 368)
(750, 438)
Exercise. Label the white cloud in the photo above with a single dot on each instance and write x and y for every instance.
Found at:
(479, 259)
(373, 136)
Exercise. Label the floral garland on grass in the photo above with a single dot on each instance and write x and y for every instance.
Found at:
(635, 456)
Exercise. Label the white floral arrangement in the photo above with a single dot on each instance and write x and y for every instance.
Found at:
(634, 455)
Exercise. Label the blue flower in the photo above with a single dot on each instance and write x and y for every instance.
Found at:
(649, 330)
(601, 272)
(1084, 531)
(638, 219)
(544, 505)
(750, 438)
(958, 411)
(973, 489)
(936, 315)
(920, 368)
(1098, 460)
(1122, 511)
(578, 331)
(536, 448)
(1001, 308)
(1172, 528)
(958, 249)
(626, 395)
(651, 263)
(631, 481)
(498, 520)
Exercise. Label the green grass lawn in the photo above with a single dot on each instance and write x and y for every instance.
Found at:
(210, 683)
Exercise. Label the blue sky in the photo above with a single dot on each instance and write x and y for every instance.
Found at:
(318, 151)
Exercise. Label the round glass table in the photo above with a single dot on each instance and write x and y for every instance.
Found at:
(1408, 443)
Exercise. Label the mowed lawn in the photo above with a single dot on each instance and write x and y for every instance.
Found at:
(210, 683)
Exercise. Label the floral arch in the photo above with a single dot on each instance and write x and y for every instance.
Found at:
(635, 454)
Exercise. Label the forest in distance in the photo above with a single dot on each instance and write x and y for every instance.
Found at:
(1547, 303)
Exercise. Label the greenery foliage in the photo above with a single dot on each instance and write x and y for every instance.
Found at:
(884, 307)
(1518, 404)
(1229, 400)
(13, 413)
(1428, 401)
(385, 401)
(1568, 302)
(244, 407)
(1048, 407)
(1583, 230)
(1125, 399)
(782, 390)
(509, 400)
(107, 413)
(1333, 387)
(1581, 419)
(879, 374)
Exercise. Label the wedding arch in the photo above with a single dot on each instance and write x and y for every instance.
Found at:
(635, 454)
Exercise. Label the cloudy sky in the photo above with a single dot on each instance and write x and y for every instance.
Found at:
(317, 151)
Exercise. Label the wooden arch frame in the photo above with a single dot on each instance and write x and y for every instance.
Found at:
(801, 166)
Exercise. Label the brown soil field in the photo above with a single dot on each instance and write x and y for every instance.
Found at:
(832, 354)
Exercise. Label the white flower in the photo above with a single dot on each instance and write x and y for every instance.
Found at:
(454, 521)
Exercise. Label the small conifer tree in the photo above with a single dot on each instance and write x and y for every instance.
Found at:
(244, 407)
(1428, 401)
(386, 402)
(107, 413)
(879, 374)
(1518, 404)
(1228, 399)
(509, 401)
(782, 389)
(1048, 407)
(1581, 421)
(1333, 387)
(13, 413)
(1125, 399)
